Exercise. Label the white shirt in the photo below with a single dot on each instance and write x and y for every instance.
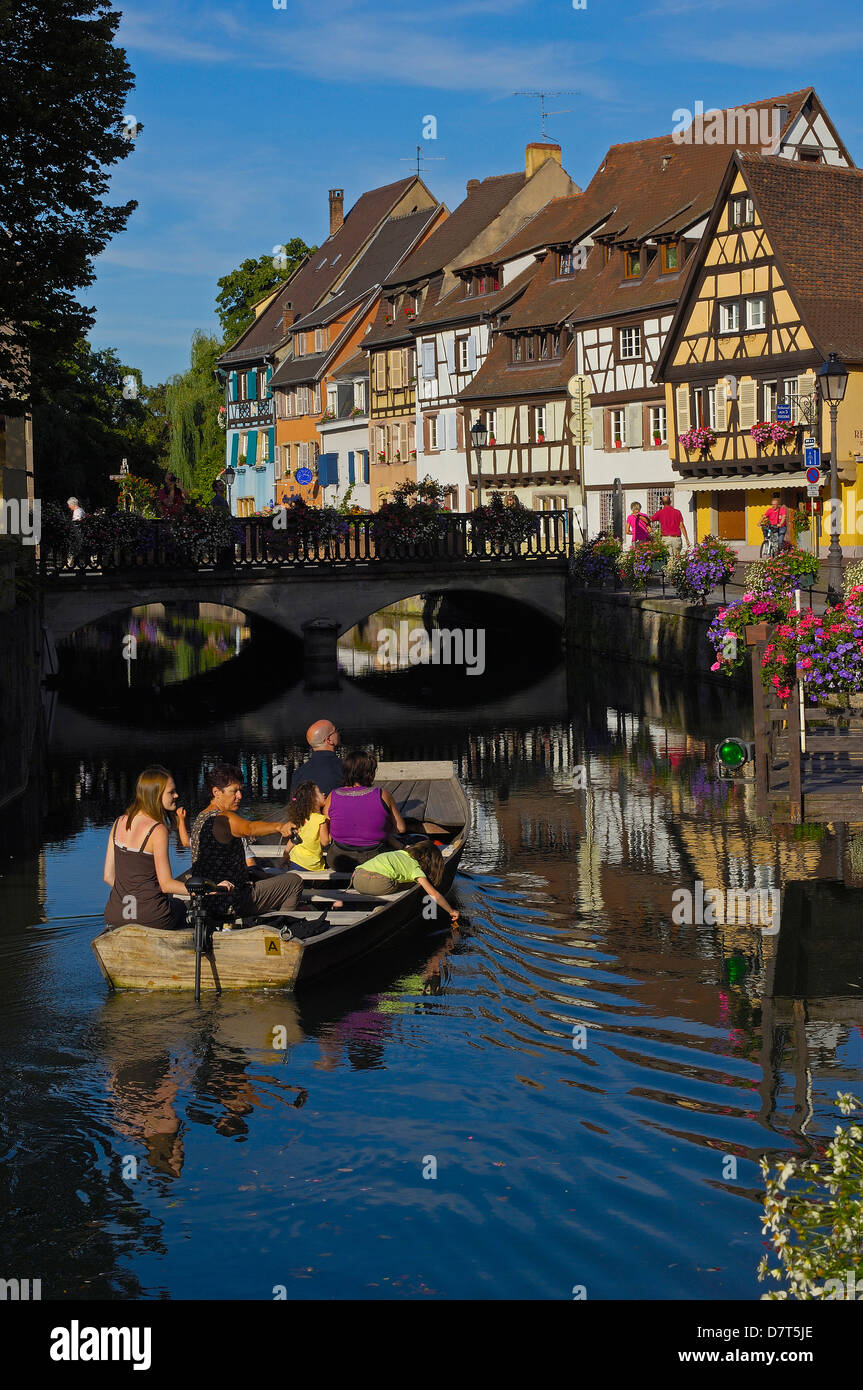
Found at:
(78, 513)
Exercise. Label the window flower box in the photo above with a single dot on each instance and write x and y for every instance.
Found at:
(762, 433)
(782, 433)
(382, 458)
(701, 438)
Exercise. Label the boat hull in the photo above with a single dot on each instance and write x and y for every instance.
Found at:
(136, 957)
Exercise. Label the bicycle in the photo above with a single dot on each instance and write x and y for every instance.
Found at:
(773, 542)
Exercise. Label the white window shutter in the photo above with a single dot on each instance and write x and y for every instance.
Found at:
(421, 438)
(805, 392)
(596, 416)
(634, 432)
(471, 353)
(450, 353)
(428, 360)
(452, 429)
(721, 408)
(747, 399)
(681, 409)
(317, 403)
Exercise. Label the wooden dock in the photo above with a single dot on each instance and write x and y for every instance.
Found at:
(821, 782)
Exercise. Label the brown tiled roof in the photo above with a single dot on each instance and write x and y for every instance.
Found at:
(457, 307)
(312, 280)
(265, 334)
(391, 242)
(359, 363)
(558, 222)
(499, 377)
(813, 214)
(295, 370)
(473, 213)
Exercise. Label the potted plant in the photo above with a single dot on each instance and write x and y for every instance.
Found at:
(762, 433)
(413, 453)
(492, 440)
(708, 564)
(657, 439)
(645, 558)
(701, 438)
(618, 443)
(382, 456)
(397, 456)
(502, 524)
(223, 416)
(782, 432)
(595, 561)
(329, 414)
(540, 438)
(739, 625)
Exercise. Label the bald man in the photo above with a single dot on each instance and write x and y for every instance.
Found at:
(324, 766)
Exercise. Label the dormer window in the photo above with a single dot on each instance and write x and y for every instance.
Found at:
(810, 153)
(516, 349)
(669, 255)
(566, 262)
(468, 287)
(632, 265)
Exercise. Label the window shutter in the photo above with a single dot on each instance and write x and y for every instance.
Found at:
(235, 449)
(426, 434)
(747, 396)
(316, 408)
(271, 442)
(234, 386)
(428, 360)
(681, 409)
(450, 353)
(252, 447)
(406, 367)
(365, 454)
(453, 435)
(304, 455)
(267, 375)
(721, 407)
(606, 429)
(805, 392)
(252, 386)
(379, 371)
(396, 363)
(459, 422)
(471, 353)
(351, 473)
(598, 420)
(634, 435)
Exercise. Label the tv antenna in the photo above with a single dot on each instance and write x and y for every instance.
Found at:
(541, 96)
(421, 158)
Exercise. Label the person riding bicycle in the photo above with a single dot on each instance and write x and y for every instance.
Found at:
(776, 517)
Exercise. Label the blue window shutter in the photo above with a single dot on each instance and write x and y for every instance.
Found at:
(365, 454)
(251, 386)
(235, 386)
(251, 448)
(267, 392)
(322, 469)
(235, 449)
(471, 353)
(351, 475)
(271, 452)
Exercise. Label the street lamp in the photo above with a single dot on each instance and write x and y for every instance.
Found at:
(230, 478)
(832, 380)
(479, 435)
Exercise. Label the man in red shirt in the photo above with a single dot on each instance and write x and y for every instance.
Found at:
(671, 525)
(777, 515)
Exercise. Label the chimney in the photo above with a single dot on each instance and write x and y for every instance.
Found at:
(536, 154)
(471, 185)
(337, 215)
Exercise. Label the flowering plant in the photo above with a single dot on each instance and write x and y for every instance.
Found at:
(414, 515)
(816, 1230)
(781, 431)
(777, 575)
(637, 563)
(200, 533)
(762, 433)
(357, 410)
(708, 564)
(223, 416)
(137, 495)
(329, 414)
(300, 522)
(727, 632)
(382, 455)
(596, 561)
(825, 653)
(700, 437)
(503, 523)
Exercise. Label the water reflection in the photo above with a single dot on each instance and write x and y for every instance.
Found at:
(701, 1039)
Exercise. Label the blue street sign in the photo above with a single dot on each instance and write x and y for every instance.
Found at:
(304, 475)
(812, 459)
(783, 413)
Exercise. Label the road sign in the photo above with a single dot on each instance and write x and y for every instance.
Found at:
(813, 489)
(578, 386)
(812, 459)
(304, 475)
(810, 441)
(783, 413)
(581, 425)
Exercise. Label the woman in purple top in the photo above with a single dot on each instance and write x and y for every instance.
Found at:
(362, 817)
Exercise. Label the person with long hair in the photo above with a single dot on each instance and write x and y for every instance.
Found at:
(137, 865)
(170, 499)
(312, 827)
(362, 816)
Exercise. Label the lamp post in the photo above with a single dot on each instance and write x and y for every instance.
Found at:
(230, 478)
(479, 435)
(832, 380)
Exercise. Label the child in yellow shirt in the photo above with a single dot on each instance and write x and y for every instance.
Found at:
(313, 828)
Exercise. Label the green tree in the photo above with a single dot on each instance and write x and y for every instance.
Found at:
(243, 287)
(95, 413)
(64, 98)
(196, 451)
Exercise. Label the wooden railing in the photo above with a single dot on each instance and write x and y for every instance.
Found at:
(258, 544)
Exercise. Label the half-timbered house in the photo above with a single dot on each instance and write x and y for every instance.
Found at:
(775, 289)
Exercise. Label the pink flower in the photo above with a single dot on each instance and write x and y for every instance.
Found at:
(715, 666)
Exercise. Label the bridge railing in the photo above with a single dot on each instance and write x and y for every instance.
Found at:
(258, 544)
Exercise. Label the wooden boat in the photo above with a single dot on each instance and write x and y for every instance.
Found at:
(269, 955)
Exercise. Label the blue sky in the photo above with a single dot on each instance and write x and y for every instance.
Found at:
(252, 113)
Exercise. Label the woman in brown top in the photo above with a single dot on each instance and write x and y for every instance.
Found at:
(137, 867)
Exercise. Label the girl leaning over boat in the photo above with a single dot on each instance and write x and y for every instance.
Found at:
(396, 869)
(137, 866)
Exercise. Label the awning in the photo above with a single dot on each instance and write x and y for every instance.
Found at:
(754, 482)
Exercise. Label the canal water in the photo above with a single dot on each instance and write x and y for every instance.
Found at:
(543, 1102)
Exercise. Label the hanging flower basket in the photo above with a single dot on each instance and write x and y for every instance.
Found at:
(762, 433)
(782, 432)
(701, 438)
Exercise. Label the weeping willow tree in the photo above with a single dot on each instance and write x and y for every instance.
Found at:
(196, 451)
